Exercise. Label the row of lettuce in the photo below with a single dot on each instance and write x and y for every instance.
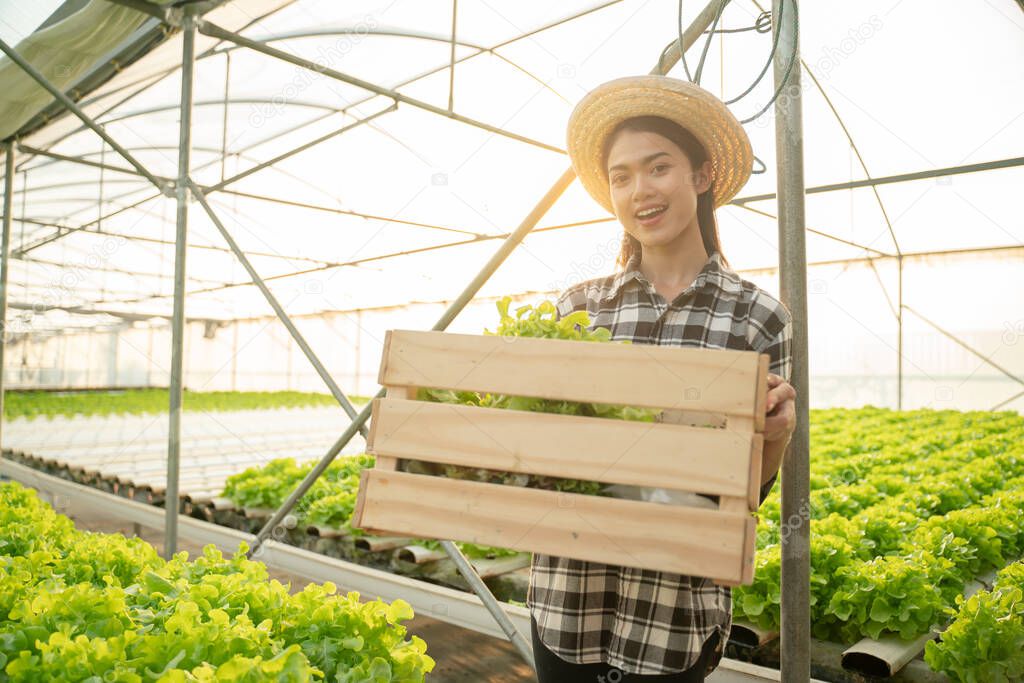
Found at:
(899, 526)
(77, 606)
(50, 404)
(985, 643)
(329, 502)
(906, 509)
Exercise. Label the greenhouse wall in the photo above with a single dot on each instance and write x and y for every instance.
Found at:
(853, 341)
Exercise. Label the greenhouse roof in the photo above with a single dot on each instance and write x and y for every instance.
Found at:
(436, 149)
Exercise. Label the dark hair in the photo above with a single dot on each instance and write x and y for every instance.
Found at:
(694, 151)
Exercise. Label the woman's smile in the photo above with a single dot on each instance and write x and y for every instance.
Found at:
(650, 217)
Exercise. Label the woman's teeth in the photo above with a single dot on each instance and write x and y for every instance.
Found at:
(650, 212)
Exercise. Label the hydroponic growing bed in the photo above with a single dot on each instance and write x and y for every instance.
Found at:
(907, 509)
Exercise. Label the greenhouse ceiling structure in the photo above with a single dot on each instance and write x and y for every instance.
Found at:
(350, 167)
(361, 192)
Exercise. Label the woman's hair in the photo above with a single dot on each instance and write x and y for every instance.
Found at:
(694, 151)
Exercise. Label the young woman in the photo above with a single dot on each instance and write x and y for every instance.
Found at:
(662, 155)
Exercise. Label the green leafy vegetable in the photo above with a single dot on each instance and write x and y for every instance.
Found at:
(77, 606)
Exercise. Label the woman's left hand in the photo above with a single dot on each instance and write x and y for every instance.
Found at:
(780, 411)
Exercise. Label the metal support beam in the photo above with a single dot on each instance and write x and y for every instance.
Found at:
(172, 16)
(79, 160)
(796, 623)
(68, 229)
(962, 169)
(899, 332)
(178, 314)
(695, 30)
(460, 302)
(344, 212)
(278, 309)
(73, 108)
(5, 248)
(821, 233)
(1012, 398)
(209, 29)
(952, 337)
(451, 69)
(301, 148)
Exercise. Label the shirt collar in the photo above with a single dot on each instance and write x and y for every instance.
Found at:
(713, 272)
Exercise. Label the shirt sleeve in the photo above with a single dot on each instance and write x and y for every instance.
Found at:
(771, 332)
(572, 299)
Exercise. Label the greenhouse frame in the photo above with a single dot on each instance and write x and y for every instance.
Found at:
(74, 88)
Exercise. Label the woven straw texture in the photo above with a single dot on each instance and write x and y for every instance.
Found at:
(689, 105)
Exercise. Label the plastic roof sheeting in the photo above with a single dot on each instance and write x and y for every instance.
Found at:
(910, 86)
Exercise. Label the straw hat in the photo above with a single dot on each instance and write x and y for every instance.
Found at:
(689, 105)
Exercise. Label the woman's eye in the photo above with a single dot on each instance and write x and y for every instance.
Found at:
(660, 166)
(618, 179)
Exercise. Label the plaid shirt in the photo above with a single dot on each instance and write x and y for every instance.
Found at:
(642, 621)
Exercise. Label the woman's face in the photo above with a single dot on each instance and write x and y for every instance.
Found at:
(647, 171)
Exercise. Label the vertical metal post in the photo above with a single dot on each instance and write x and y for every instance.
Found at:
(188, 31)
(234, 355)
(451, 69)
(796, 623)
(224, 122)
(899, 333)
(5, 244)
(149, 356)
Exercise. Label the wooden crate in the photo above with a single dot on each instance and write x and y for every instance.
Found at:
(693, 387)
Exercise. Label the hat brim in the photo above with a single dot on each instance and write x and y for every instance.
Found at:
(689, 105)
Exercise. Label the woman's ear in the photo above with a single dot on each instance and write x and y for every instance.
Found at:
(704, 177)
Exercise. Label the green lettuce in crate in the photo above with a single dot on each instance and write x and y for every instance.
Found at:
(537, 322)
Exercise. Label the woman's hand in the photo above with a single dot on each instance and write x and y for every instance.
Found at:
(780, 411)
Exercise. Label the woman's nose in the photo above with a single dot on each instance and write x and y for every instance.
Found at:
(641, 187)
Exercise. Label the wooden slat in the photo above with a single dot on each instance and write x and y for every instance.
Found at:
(357, 511)
(761, 397)
(749, 550)
(669, 538)
(703, 460)
(383, 462)
(754, 479)
(711, 380)
(692, 418)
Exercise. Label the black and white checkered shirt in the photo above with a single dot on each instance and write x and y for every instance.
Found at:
(642, 621)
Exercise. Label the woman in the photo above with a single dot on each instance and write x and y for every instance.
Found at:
(661, 154)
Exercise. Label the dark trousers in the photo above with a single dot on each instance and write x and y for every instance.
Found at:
(553, 669)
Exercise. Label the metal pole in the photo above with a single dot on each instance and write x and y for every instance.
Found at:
(5, 244)
(499, 256)
(278, 309)
(73, 108)
(899, 332)
(795, 599)
(178, 315)
(694, 31)
(451, 69)
(224, 120)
